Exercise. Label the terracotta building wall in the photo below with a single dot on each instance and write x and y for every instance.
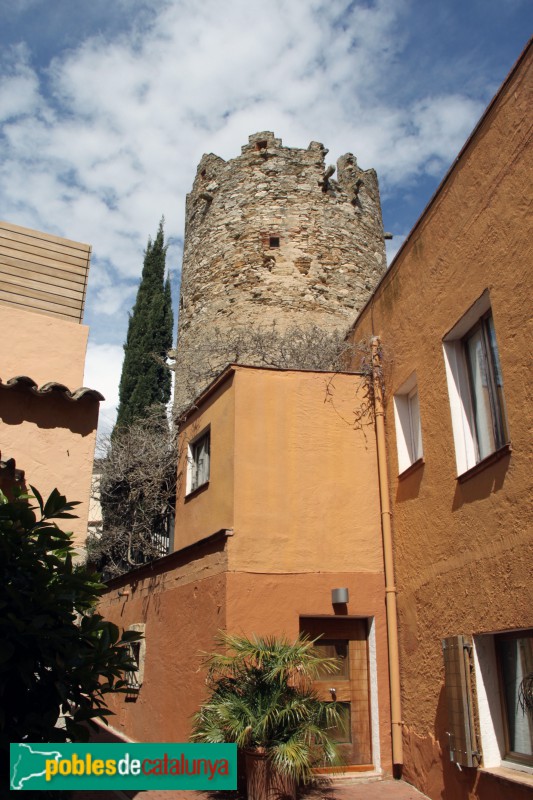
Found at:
(45, 348)
(305, 479)
(276, 604)
(463, 550)
(181, 602)
(51, 438)
(54, 439)
(210, 508)
(290, 512)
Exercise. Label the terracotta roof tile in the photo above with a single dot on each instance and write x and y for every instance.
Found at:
(51, 388)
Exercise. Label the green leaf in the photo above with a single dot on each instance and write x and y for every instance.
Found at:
(48, 662)
(38, 497)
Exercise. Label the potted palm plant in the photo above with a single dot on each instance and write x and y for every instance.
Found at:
(261, 697)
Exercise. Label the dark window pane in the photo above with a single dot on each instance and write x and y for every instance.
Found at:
(338, 649)
(516, 664)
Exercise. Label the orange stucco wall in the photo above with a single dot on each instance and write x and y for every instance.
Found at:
(43, 348)
(181, 601)
(274, 605)
(306, 494)
(52, 440)
(292, 493)
(186, 598)
(463, 550)
(210, 508)
(289, 474)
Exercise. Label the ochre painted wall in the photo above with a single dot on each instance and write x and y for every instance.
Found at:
(295, 487)
(463, 550)
(210, 508)
(42, 347)
(306, 492)
(52, 439)
(289, 473)
(274, 605)
(181, 601)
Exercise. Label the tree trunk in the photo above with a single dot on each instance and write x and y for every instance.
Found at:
(265, 783)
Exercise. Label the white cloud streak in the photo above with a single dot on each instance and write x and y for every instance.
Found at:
(102, 365)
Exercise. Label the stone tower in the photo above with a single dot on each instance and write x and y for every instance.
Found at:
(271, 237)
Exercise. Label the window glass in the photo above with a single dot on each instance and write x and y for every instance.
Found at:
(338, 649)
(132, 676)
(415, 430)
(515, 656)
(199, 461)
(486, 387)
(479, 384)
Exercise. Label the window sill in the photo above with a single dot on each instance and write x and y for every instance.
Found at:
(412, 468)
(486, 462)
(196, 491)
(509, 774)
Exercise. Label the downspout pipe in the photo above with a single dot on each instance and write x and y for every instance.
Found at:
(388, 559)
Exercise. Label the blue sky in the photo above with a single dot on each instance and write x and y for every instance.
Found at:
(107, 107)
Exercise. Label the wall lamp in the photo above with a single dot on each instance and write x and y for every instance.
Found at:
(339, 596)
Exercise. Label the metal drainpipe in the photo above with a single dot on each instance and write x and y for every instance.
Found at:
(388, 558)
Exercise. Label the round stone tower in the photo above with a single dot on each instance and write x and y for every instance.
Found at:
(271, 237)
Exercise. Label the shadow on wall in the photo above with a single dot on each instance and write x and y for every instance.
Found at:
(409, 483)
(79, 416)
(185, 566)
(482, 484)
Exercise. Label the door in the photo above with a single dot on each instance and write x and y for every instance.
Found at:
(346, 640)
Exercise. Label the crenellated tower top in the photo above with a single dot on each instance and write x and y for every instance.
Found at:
(273, 236)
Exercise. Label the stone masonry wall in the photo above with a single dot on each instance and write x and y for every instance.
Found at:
(270, 237)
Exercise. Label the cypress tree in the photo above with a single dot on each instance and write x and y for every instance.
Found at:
(145, 380)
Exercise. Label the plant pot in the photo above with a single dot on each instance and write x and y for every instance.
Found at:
(265, 783)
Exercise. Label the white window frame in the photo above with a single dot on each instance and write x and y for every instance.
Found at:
(408, 424)
(459, 388)
(198, 474)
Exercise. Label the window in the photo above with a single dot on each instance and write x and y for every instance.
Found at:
(514, 653)
(408, 427)
(132, 676)
(137, 653)
(475, 386)
(198, 461)
(273, 241)
(504, 678)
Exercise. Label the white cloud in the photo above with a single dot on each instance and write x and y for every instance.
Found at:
(19, 95)
(102, 365)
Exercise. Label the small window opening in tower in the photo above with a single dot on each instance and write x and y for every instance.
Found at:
(274, 241)
(203, 173)
(262, 145)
